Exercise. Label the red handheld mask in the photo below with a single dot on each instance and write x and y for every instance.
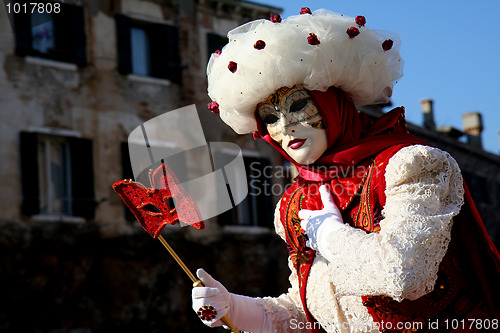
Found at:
(151, 206)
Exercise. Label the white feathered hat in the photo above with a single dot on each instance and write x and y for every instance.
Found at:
(316, 50)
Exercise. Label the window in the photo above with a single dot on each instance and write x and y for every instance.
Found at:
(54, 174)
(257, 208)
(149, 49)
(59, 37)
(215, 42)
(139, 44)
(57, 175)
(43, 36)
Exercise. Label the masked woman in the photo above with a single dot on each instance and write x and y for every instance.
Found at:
(378, 234)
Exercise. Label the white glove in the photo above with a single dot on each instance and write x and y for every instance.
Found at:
(320, 224)
(244, 312)
(213, 294)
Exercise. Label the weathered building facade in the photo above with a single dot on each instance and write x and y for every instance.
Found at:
(73, 85)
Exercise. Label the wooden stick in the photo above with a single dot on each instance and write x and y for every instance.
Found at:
(196, 282)
(176, 257)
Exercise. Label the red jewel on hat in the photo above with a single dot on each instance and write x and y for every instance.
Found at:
(360, 20)
(214, 107)
(259, 45)
(232, 66)
(352, 32)
(275, 18)
(313, 39)
(387, 44)
(305, 10)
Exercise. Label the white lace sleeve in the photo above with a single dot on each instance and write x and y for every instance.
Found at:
(286, 310)
(424, 190)
(278, 226)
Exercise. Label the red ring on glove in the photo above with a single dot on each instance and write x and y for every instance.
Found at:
(207, 313)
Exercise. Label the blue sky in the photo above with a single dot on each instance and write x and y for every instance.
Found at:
(451, 51)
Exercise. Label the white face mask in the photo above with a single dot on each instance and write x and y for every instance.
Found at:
(295, 123)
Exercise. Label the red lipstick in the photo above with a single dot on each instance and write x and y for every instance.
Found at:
(296, 143)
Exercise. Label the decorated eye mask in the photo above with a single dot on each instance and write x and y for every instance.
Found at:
(289, 107)
(295, 123)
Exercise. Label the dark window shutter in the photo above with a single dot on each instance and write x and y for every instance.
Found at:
(29, 173)
(127, 174)
(126, 165)
(164, 50)
(82, 177)
(77, 29)
(158, 47)
(227, 218)
(173, 55)
(215, 42)
(123, 24)
(80, 46)
(70, 35)
(63, 36)
(22, 30)
(265, 209)
(260, 190)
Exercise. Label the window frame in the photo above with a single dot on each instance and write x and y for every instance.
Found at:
(83, 201)
(70, 39)
(164, 51)
(215, 42)
(46, 175)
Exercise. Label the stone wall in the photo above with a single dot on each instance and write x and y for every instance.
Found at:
(60, 277)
